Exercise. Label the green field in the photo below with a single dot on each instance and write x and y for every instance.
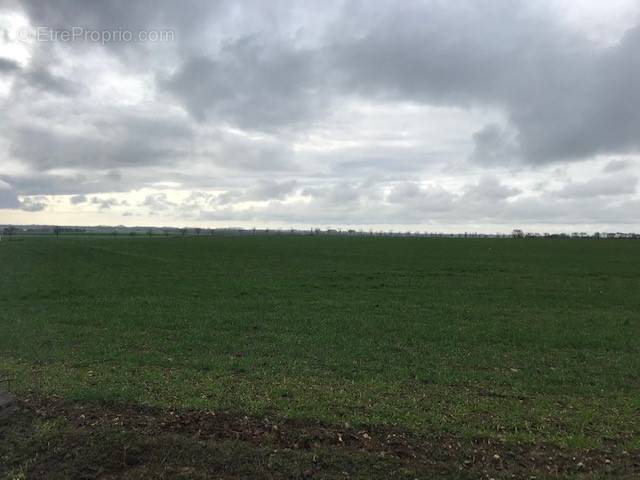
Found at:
(520, 342)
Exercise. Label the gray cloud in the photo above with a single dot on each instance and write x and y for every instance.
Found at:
(493, 145)
(41, 79)
(617, 165)
(9, 200)
(240, 152)
(490, 188)
(566, 98)
(609, 185)
(253, 100)
(59, 184)
(157, 202)
(106, 203)
(416, 203)
(438, 206)
(263, 190)
(8, 196)
(251, 85)
(8, 66)
(34, 204)
(190, 15)
(106, 143)
(78, 199)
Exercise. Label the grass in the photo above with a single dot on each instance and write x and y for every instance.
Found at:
(522, 341)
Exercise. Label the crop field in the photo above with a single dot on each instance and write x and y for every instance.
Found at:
(320, 357)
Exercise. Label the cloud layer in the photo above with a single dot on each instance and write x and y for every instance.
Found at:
(412, 113)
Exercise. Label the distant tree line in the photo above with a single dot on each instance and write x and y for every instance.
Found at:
(10, 231)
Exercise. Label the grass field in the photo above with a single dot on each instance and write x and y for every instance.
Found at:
(520, 343)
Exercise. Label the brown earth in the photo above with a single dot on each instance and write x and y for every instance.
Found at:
(53, 438)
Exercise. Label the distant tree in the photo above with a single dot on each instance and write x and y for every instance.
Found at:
(183, 231)
(9, 231)
(114, 233)
(198, 230)
(56, 231)
(149, 232)
(166, 232)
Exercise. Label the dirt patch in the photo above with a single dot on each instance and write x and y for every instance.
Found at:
(53, 438)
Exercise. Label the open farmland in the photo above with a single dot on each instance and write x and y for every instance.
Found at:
(322, 357)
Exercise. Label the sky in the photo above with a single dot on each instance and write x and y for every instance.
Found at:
(452, 116)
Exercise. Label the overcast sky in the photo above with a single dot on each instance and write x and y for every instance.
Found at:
(456, 115)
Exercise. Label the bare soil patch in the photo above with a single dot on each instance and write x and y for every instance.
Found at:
(54, 438)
